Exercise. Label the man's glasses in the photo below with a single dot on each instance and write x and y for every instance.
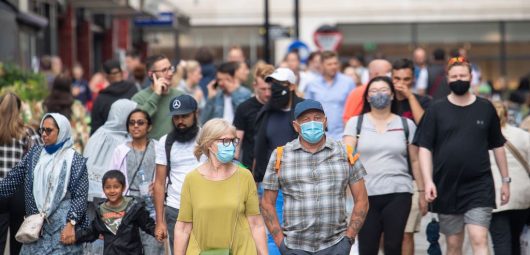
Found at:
(226, 141)
(137, 122)
(165, 70)
(42, 130)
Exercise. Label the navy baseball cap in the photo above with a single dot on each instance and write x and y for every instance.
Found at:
(306, 105)
(182, 105)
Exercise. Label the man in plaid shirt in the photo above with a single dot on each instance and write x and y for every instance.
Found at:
(313, 172)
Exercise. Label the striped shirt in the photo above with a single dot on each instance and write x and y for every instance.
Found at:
(314, 189)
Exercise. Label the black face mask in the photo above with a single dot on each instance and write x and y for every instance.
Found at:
(186, 134)
(280, 96)
(459, 87)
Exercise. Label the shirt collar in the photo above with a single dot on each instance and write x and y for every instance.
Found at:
(298, 146)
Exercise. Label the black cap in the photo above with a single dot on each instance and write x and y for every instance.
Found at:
(111, 64)
(182, 104)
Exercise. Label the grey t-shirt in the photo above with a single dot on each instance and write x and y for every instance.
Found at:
(384, 155)
(133, 160)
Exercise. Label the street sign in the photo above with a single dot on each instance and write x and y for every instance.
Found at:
(328, 38)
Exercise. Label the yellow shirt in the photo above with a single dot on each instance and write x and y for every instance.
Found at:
(211, 207)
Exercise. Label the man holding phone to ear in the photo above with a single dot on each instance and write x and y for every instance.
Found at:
(156, 98)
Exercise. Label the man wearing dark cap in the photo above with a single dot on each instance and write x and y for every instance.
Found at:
(313, 171)
(174, 159)
(118, 89)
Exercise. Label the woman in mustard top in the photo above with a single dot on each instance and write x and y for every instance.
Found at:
(219, 202)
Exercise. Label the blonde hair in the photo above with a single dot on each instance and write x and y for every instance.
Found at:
(191, 65)
(11, 123)
(263, 70)
(502, 112)
(210, 131)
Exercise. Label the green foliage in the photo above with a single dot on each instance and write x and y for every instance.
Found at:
(27, 85)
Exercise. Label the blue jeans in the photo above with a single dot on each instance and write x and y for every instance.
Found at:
(171, 219)
(273, 249)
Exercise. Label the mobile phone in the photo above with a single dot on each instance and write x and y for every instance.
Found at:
(216, 84)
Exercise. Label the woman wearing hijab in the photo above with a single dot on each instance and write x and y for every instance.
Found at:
(101, 145)
(55, 182)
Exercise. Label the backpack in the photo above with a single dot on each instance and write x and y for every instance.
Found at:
(405, 129)
(279, 154)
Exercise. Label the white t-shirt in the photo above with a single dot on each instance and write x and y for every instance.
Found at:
(228, 110)
(182, 162)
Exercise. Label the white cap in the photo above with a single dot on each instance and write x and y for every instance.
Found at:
(282, 74)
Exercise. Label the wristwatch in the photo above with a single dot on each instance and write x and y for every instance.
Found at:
(72, 222)
(506, 179)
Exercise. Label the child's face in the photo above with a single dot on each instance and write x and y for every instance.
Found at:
(113, 190)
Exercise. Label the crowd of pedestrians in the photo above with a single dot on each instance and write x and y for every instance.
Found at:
(199, 158)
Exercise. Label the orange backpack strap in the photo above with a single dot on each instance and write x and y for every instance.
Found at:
(351, 158)
(279, 154)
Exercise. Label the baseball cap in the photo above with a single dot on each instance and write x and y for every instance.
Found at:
(282, 74)
(306, 105)
(182, 104)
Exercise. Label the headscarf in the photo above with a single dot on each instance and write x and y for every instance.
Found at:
(101, 144)
(52, 171)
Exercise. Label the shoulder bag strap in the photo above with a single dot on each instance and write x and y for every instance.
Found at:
(517, 154)
(358, 129)
(406, 130)
(139, 165)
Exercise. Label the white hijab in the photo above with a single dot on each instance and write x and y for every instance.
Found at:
(100, 147)
(51, 175)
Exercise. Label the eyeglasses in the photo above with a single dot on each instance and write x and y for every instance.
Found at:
(455, 60)
(165, 70)
(48, 131)
(227, 141)
(382, 90)
(139, 122)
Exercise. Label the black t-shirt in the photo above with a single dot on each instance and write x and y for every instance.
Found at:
(404, 109)
(244, 120)
(459, 138)
(279, 129)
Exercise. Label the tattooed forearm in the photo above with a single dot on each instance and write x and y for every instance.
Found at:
(360, 208)
(356, 222)
(271, 220)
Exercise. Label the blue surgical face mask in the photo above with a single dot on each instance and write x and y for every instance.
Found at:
(225, 154)
(380, 100)
(312, 131)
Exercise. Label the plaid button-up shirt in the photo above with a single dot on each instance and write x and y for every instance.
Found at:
(11, 154)
(314, 190)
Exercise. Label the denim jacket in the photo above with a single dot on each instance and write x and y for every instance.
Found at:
(215, 106)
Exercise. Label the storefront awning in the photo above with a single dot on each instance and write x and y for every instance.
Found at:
(114, 7)
(32, 20)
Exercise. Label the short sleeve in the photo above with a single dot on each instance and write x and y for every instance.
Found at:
(239, 118)
(160, 150)
(426, 133)
(185, 211)
(270, 180)
(412, 130)
(357, 172)
(251, 200)
(495, 137)
(351, 127)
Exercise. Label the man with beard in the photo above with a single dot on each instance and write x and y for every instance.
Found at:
(174, 160)
(274, 128)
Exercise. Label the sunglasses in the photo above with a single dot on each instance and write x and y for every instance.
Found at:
(48, 131)
(455, 60)
(135, 122)
(226, 141)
